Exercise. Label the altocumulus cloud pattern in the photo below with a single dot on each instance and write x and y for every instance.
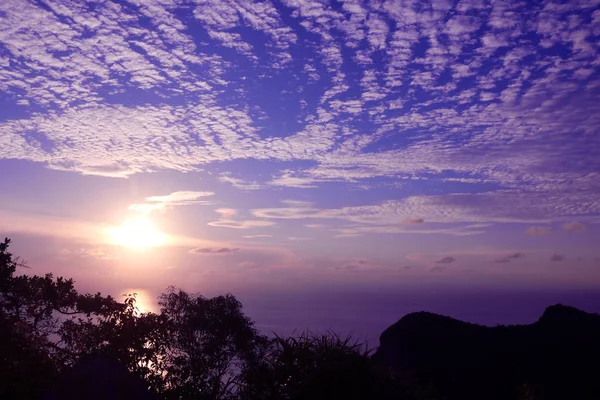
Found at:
(502, 97)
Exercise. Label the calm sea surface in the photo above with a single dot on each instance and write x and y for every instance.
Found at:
(367, 315)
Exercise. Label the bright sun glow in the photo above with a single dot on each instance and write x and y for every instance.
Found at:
(138, 233)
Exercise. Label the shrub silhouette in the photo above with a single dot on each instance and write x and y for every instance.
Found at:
(315, 367)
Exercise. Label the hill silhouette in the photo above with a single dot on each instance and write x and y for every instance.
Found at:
(557, 357)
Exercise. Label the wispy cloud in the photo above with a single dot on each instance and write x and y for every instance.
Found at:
(316, 226)
(473, 209)
(574, 226)
(214, 250)
(239, 183)
(227, 220)
(509, 258)
(240, 224)
(257, 236)
(95, 252)
(445, 260)
(538, 230)
(181, 198)
(287, 179)
(226, 212)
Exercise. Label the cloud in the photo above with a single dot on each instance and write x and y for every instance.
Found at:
(257, 236)
(214, 250)
(288, 180)
(557, 257)
(226, 220)
(445, 260)
(180, 198)
(509, 258)
(369, 218)
(437, 268)
(131, 72)
(347, 235)
(399, 229)
(475, 209)
(414, 220)
(97, 253)
(226, 212)
(348, 267)
(239, 183)
(574, 226)
(240, 224)
(538, 230)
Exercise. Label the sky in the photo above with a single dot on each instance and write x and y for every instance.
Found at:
(300, 146)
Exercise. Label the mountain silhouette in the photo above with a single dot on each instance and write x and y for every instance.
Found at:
(557, 357)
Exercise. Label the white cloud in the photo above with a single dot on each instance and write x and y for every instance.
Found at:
(316, 226)
(239, 183)
(292, 181)
(257, 236)
(180, 198)
(466, 92)
(224, 223)
(226, 220)
(226, 212)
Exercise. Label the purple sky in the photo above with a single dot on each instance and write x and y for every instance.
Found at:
(304, 146)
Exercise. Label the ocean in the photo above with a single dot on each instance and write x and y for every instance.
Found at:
(365, 315)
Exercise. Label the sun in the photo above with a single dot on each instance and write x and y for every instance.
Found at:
(137, 233)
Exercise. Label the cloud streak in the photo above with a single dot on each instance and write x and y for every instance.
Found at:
(509, 258)
(227, 221)
(445, 260)
(180, 198)
(214, 250)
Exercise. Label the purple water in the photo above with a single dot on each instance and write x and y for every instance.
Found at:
(367, 315)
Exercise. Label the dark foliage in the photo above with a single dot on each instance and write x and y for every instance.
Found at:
(315, 367)
(56, 343)
(99, 377)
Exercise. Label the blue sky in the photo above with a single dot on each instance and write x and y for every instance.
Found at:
(298, 143)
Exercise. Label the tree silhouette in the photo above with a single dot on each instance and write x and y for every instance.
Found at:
(47, 323)
(211, 345)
